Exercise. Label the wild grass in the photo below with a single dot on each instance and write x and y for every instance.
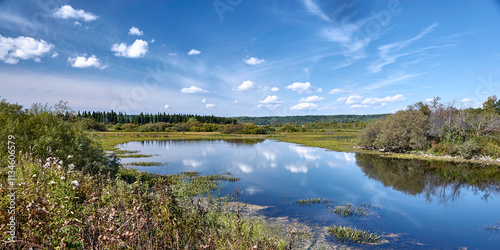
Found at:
(353, 235)
(134, 210)
(348, 210)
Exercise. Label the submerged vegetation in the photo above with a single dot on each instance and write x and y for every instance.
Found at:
(353, 235)
(348, 210)
(313, 201)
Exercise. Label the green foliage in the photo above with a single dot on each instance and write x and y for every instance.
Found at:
(43, 133)
(402, 131)
(348, 210)
(288, 128)
(276, 120)
(154, 127)
(244, 128)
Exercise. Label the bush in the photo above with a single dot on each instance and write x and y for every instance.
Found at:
(129, 127)
(402, 131)
(154, 127)
(467, 149)
(43, 134)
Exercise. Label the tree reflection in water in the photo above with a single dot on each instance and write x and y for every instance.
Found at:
(440, 180)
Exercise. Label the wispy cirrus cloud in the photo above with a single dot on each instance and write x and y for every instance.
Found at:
(389, 53)
(313, 8)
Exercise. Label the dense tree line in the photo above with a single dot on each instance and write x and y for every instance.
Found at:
(438, 128)
(273, 120)
(122, 118)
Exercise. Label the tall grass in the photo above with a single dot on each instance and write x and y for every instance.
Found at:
(353, 235)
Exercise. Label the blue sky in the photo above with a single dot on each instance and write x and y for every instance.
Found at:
(249, 57)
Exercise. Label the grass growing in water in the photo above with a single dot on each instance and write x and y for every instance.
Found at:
(348, 210)
(313, 201)
(133, 155)
(492, 228)
(145, 163)
(353, 235)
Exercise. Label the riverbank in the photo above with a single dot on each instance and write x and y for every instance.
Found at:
(339, 140)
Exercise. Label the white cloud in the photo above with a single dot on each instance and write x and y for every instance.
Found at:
(152, 40)
(313, 98)
(271, 99)
(77, 23)
(194, 52)
(465, 100)
(336, 91)
(204, 100)
(396, 98)
(86, 62)
(254, 61)
(274, 89)
(346, 35)
(55, 55)
(429, 99)
(246, 85)
(341, 99)
(390, 80)
(297, 168)
(304, 105)
(138, 49)
(210, 105)
(314, 9)
(193, 89)
(236, 102)
(136, 31)
(303, 87)
(389, 52)
(354, 99)
(166, 106)
(13, 49)
(269, 106)
(66, 12)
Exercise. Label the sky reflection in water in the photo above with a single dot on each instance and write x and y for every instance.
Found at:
(415, 201)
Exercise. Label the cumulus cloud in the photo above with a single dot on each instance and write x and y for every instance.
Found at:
(353, 99)
(193, 89)
(254, 61)
(210, 105)
(274, 89)
(66, 12)
(357, 101)
(337, 91)
(271, 99)
(396, 98)
(13, 49)
(429, 99)
(303, 87)
(313, 98)
(137, 32)
(194, 52)
(246, 85)
(166, 106)
(304, 106)
(204, 100)
(138, 49)
(86, 62)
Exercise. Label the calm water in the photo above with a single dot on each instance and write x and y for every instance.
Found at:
(425, 206)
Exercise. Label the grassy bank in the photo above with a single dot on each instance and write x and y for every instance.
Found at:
(336, 140)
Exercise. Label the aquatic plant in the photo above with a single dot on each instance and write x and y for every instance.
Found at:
(353, 235)
(145, 163)
(493, 227)
(312, 201)
(348, 210)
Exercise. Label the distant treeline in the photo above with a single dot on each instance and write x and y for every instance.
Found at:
(122, 118)
(270, 120)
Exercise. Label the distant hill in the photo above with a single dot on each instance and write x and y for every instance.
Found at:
(269, 120)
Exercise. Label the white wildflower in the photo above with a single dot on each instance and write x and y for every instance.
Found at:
(59, 167)
(71, 166)
(70, 156)
(52, 183)
(75, 183)
(60, 162)
(34, 176)
(63, 178)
